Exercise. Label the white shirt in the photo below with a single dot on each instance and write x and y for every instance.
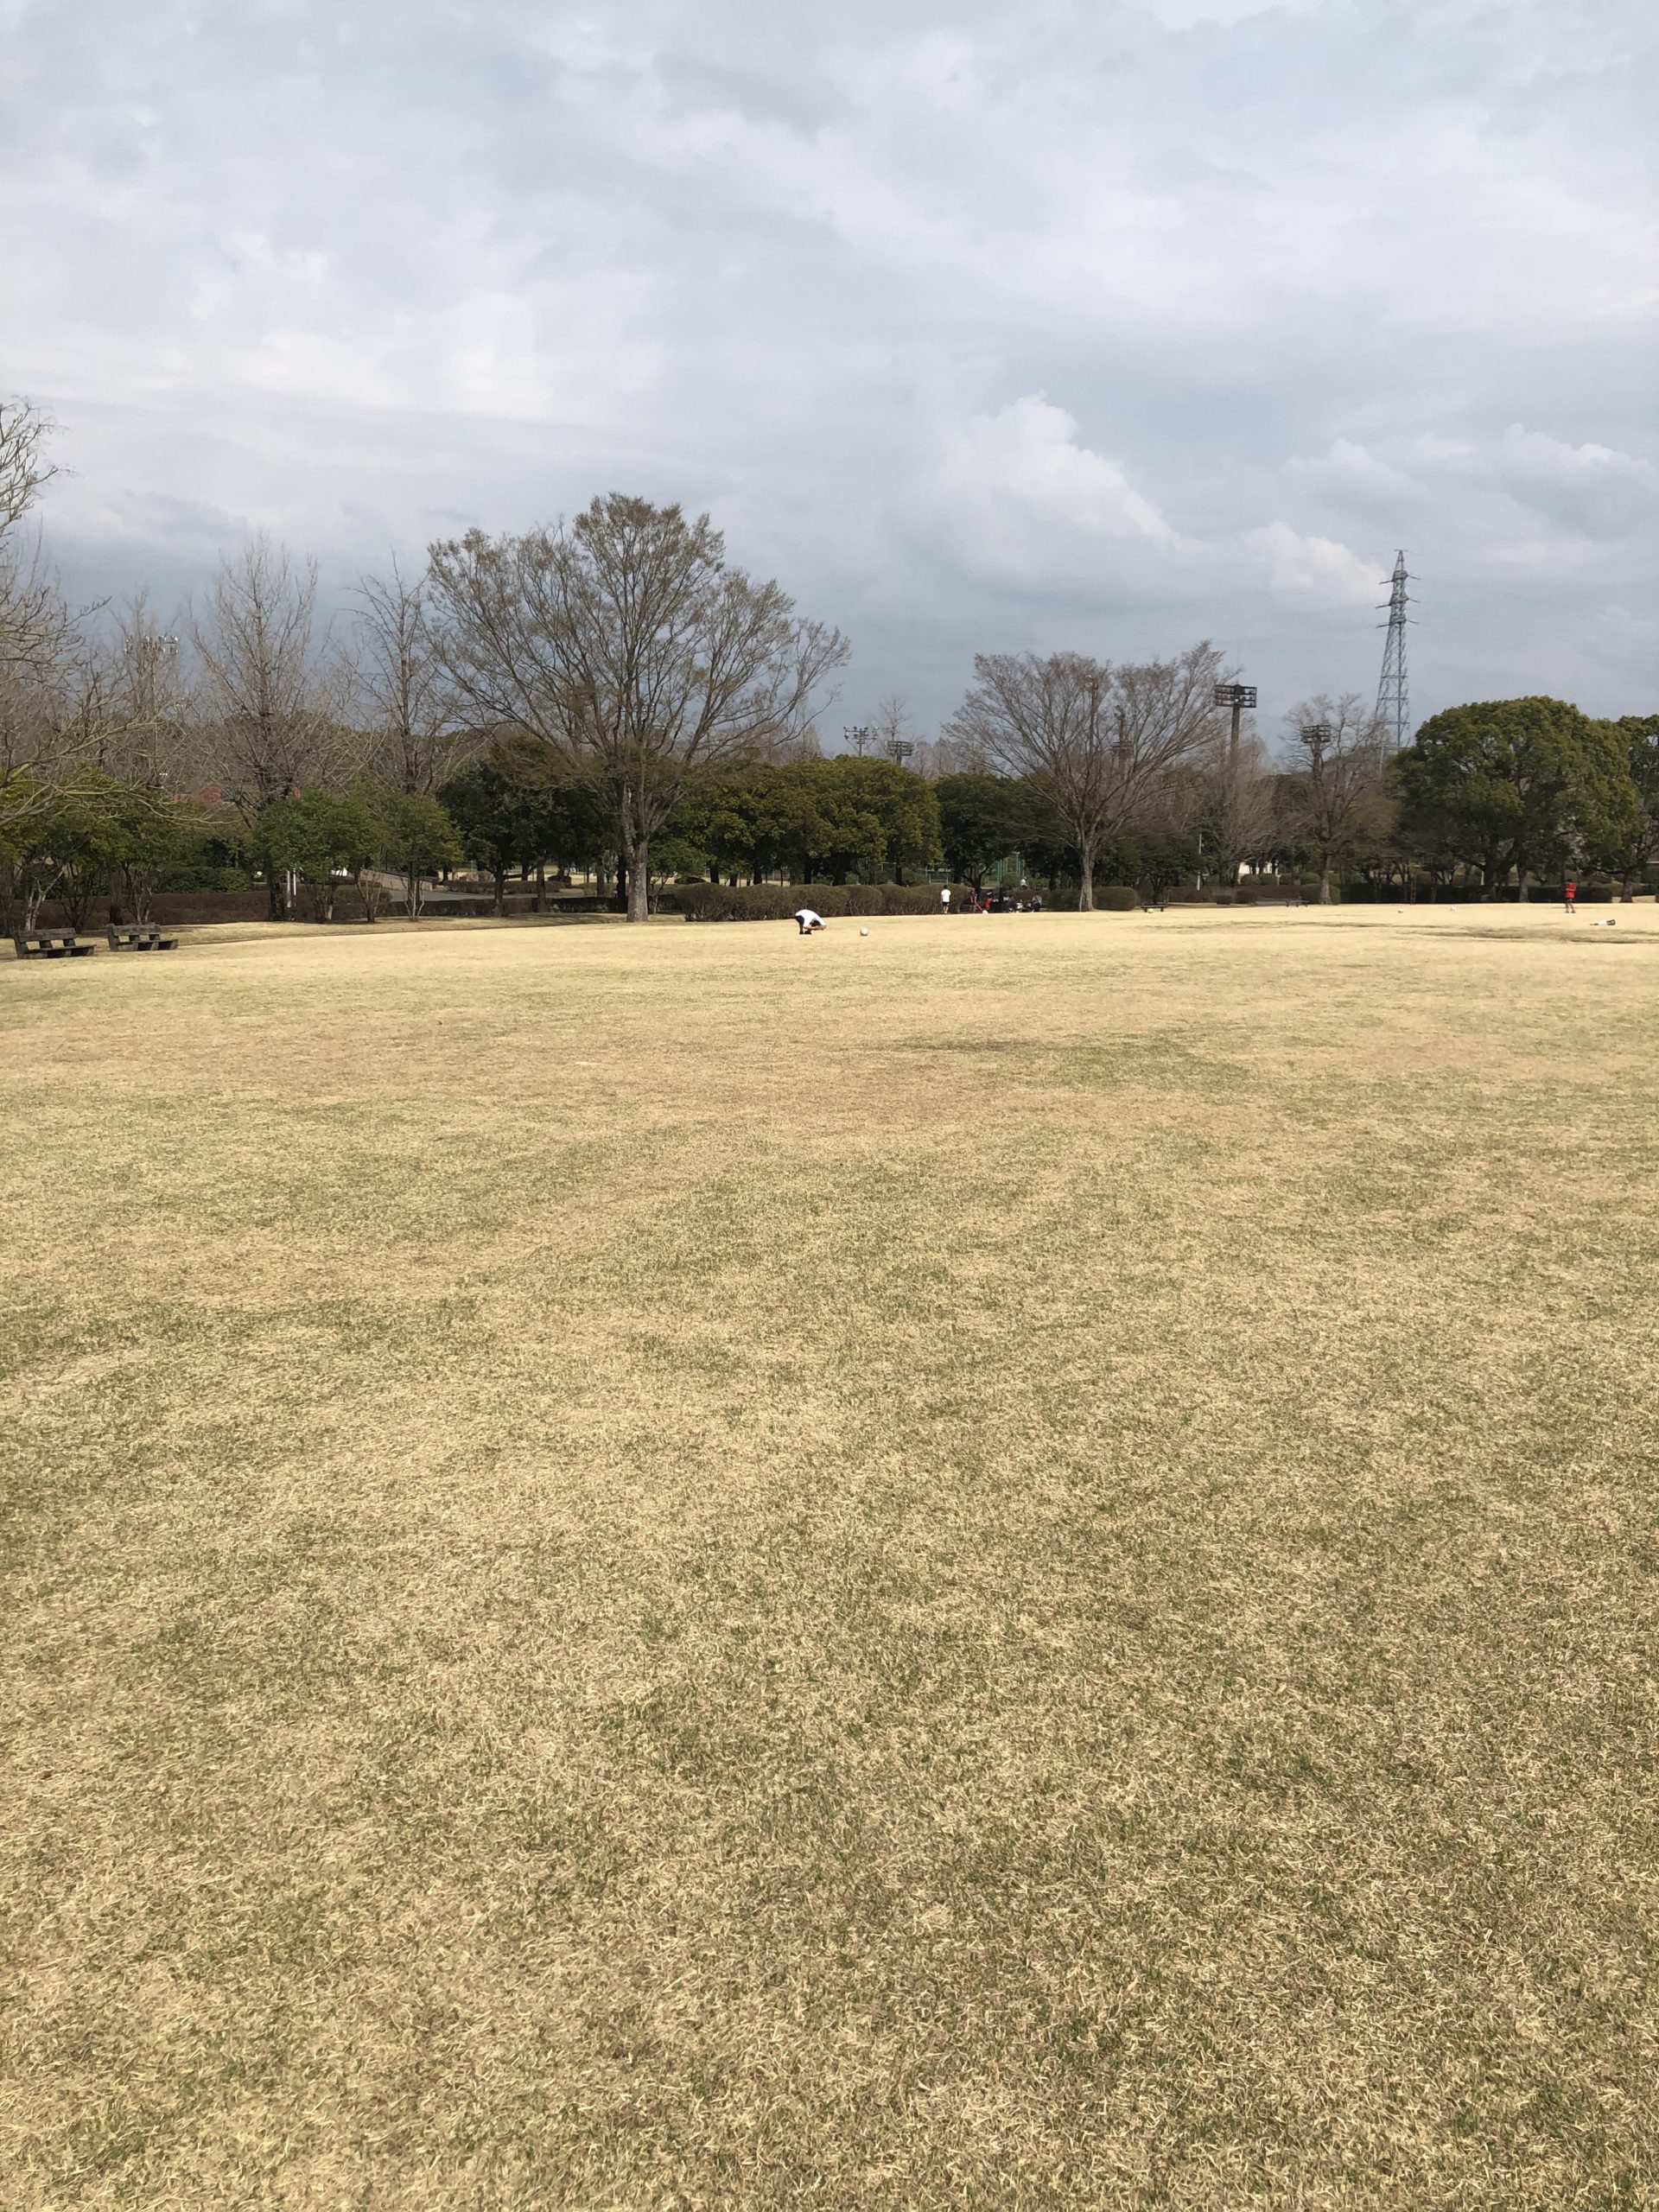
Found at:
(944, 896)
(805, 914)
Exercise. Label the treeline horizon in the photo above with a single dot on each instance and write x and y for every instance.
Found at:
(613, 696)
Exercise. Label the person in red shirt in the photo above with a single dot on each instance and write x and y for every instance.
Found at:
(1572, 894)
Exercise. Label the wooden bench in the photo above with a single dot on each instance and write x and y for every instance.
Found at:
(143, 936)
(48, 945)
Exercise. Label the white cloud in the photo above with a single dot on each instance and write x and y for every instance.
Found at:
(1316, 571)
(1299, 283)
(1020, 499)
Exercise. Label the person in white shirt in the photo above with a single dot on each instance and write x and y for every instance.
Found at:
(944, 899)
(809, 920)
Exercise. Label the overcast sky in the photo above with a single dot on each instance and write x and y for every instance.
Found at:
(1089, 325)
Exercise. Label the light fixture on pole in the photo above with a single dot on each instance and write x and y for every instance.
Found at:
(1238, 697)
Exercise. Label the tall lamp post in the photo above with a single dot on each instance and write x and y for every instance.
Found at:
(1238, 697)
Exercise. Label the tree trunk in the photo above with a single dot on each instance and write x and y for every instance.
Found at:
(412, 892)
(1086, 878)
(639, 883)
(501, 891)
(1324, 880)
(278, 899)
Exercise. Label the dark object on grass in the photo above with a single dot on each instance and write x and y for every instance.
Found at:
(48, 945)
(143, 936)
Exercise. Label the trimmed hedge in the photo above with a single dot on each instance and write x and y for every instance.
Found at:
(252, 906)
(1117, 899)
(777, 902)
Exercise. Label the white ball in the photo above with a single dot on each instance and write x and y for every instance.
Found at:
(863, 933)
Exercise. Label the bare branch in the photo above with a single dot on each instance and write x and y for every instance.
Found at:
(629, 646)
(415, 711)
(1090, 738)
(271, 685)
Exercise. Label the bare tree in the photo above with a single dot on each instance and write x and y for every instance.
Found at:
(628, 643)
(25, 472)
(893, 732)
(149, 735)
(270, 684)
(1237, 800)
(945, 756)
(415, 715)
(44, 712)
(1089, 737)
(1335, 796)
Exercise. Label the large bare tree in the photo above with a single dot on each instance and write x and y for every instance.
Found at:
(48, 703)
(627, 642)
(1089, 736)
(149, 735)
(415, 716)
(1237, 795)
(270, 685)
(1336, 797)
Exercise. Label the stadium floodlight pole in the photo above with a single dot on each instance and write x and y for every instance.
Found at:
(1238, 697)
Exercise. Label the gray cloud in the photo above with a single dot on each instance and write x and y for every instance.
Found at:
(980, 327)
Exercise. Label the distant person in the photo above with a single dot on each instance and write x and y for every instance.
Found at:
(809, 920)
(944, 899)
(1571, 896)
(1037, 902)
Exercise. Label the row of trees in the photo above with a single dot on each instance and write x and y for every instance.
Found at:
(614, 692)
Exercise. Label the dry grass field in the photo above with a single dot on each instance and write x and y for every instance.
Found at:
(1006, 1565)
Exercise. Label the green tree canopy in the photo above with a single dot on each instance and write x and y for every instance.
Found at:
(516, 808)
(1519, 784)
(826, 819)
(980, 821)
(317, 834)
(415, 836)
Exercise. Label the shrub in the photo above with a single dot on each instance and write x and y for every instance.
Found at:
(1226, 898)
(198, 875)
(1118, 899)
(776, 902)
(1243, 896)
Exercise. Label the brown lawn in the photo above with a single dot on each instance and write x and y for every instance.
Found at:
(1009, 1564)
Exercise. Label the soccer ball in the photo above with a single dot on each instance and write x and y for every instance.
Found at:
(863, 933)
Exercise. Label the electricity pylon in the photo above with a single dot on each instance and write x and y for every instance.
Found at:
(1392, 702)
